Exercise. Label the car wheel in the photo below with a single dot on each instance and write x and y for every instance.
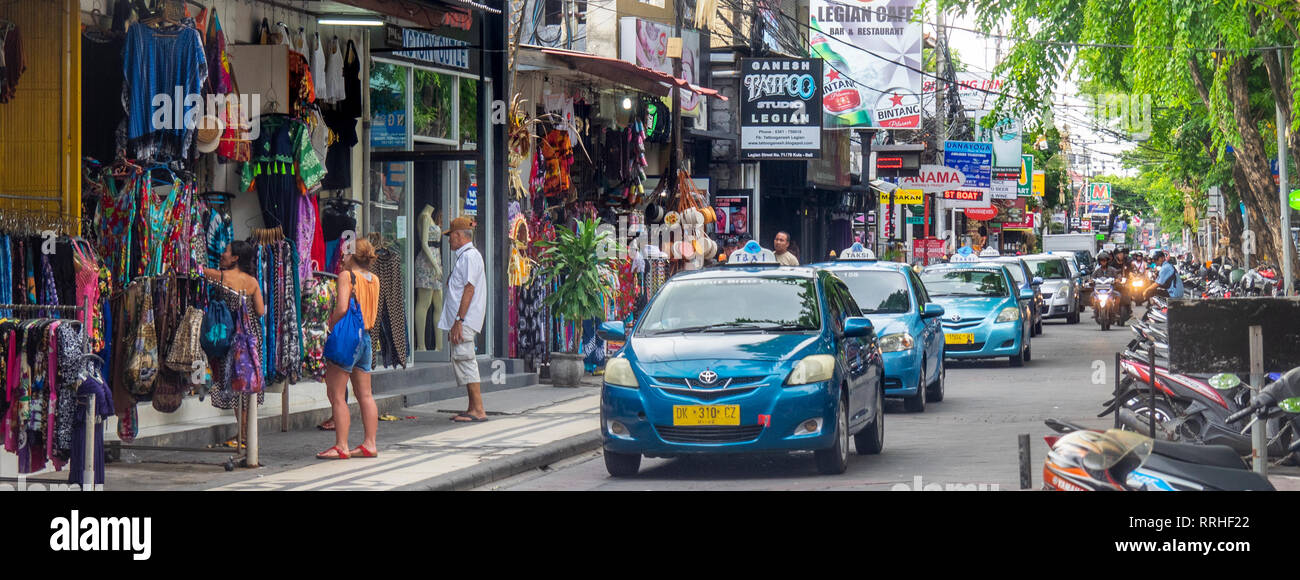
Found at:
(1038, 328)
(1018, 360)
(1073, 318)
(916, 403)
(936, 390)
(622, 464)
(871, 439)
(835, 460)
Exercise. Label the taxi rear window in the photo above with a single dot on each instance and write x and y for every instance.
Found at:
(878, 292)
(723, 305)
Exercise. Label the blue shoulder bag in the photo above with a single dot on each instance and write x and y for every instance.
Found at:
(341, 346)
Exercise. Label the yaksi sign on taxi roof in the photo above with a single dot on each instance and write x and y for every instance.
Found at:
(934, 178)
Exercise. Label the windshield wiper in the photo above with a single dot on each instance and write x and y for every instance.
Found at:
(788, 326)
(708, 328)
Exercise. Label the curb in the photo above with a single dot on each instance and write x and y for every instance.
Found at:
(497, 470)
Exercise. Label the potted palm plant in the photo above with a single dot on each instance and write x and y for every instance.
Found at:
(581, 261)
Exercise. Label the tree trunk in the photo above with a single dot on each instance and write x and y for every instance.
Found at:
(1259, 194)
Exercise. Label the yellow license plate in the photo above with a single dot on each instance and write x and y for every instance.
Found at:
(706, 414)
(959, 338)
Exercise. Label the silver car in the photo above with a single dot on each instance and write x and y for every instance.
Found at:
(1060, 287)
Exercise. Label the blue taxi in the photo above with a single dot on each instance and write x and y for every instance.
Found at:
(983, 318)
(911, 337)
(747, 357)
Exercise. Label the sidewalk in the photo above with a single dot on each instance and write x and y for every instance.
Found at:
(528, 428)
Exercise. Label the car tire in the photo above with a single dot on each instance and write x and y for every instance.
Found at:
(935, 394)
(1074, 316)
(835, 460)
(1018, 360)
(1038, 328)
(916, 403)
(871, 439)
(622, 464)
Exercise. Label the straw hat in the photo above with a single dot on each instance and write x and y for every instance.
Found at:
(207, 133)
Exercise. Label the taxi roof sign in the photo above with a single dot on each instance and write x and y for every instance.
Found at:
(752, 254)
(857, 252)
(964, 255)
(989, 253)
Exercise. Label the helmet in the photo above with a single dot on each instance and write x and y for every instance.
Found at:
(1094, 460)
(1103, 256)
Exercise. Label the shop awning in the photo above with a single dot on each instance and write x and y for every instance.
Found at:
(623, 72)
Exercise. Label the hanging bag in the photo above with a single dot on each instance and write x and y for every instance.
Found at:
(246, 363)
(341, 346)
(142, 366)
(218, 328)
(187, 347)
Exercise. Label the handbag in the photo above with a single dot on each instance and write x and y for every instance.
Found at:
(246, 363)
(341, 346)
(142, 365)
(217, 330)
(186, 348)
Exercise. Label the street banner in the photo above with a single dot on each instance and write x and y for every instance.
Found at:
(872, 50)
(1005, 137)
(1003, 189)
(780, 108)
(966, 197)
(934, 178)
(1040, 183)
(1025, 185)
(973, 160)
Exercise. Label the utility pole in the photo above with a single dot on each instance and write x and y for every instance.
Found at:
(940, 111)
(1287, 245)
(677, 95)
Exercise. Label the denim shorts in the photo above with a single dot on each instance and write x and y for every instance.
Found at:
(365, 352)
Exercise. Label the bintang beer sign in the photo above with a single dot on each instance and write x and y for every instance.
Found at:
(872, 50)
(781, 108)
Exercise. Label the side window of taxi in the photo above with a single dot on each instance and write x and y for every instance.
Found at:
(918, 288)
(833, 304)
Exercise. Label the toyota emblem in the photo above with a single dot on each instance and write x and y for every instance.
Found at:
(708, 377)
(955, 318)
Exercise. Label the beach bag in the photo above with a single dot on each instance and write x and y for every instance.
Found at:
(246, 364)
(143, 363)
(186, 348)
(217, 330)
(341, 346)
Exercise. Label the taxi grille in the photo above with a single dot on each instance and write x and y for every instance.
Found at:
(707, 394)
(964, 347)
(695, 383)
(710, 433)
(961, 325)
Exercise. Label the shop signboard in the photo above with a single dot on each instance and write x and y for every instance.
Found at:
(1040, 183)
(915, 220)
(1015, 217)
(966, 197)
(1005, 137)
(971, 159)
(1099, 193)
(1003, 189)
(388, 129)
(873, 62)
(976, 91)
(1098, 210)
(934, 178)
(981, 213)
(733, 214)
(645, 43)
(904, 197)
(780, 108)
(1025, 184)
(445, 56)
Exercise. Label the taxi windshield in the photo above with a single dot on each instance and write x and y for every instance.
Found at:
(964, 282)
(878, 292)
(1049, 268)
(734, 305)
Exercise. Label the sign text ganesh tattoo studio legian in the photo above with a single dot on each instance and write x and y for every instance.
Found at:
(780, 108)
(872, 50)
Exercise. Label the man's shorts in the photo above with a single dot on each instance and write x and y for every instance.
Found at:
(464, 359)
(365, 352)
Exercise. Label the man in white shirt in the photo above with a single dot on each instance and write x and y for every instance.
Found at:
(781, 247)
(463, 310)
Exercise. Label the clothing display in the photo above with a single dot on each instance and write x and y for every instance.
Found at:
(220, 392)
(277, 267)
(318, 296)
(389, 336)
(101, 95)
(335, 89)
(160, 61)
(283, 168)
(40, 372)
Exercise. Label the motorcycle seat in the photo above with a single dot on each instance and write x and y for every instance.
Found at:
(1213, 455)
(1213, 477)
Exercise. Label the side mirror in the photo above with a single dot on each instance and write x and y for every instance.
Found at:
(1291, 405)
(1026, 294)
(858, 326)
(1224, 381)
(1037, 281)
(612, 330)
(932, 310)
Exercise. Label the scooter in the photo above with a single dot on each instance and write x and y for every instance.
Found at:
(1105, 302)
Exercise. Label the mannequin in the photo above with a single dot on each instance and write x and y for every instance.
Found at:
(428, 276)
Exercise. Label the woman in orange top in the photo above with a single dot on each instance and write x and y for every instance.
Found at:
(358, 280)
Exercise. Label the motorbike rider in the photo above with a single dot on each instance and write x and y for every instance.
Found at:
(1168, 279)
(1104, 268)
(1126, 270)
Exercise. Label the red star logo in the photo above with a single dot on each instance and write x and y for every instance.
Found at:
(896, 99)
(834, 75)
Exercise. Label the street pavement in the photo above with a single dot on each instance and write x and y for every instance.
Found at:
(967, 442)
(547, 438)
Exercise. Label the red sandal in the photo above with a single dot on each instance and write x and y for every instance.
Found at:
(361, 451)
(339, 453)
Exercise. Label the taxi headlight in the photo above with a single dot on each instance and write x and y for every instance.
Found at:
(618, 372)
(812, 369)
(896, 342)
(1008, 314)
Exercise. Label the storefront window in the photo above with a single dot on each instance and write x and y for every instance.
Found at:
(434, 108)
(468, 111)
(388, 84)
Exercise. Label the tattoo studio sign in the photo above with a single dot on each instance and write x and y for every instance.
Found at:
(780, 107)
